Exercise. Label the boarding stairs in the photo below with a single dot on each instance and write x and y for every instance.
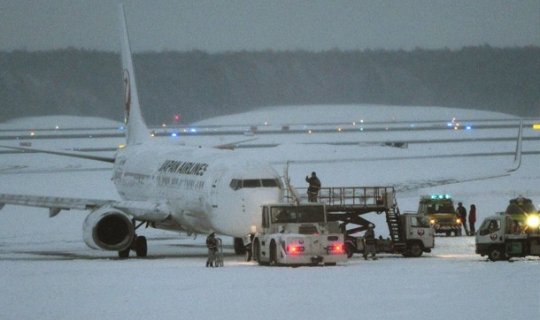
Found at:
(348, 204)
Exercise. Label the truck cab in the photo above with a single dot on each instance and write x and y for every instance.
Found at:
(441, 213)
(419, 235)
(503, 236)
(298, 235)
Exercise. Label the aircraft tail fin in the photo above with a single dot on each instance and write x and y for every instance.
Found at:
(137, 131)
(519, 143)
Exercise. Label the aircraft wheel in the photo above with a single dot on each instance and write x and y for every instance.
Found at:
(141, 247)
(124, 254)
(239, 247)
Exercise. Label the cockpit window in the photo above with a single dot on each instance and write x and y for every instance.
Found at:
(251, 183)
(270, 183)
(237, 184)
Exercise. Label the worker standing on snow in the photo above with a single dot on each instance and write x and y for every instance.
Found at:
(462, 213)
(472, 220)
(314, 187)
(211, 244)
(369, 243)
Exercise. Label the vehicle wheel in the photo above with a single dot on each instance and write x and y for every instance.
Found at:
(273, 253)
(496, 254)
(141, 247)
(415, 249)
(239, 247)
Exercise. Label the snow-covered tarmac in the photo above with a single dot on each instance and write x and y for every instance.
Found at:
(49, 273)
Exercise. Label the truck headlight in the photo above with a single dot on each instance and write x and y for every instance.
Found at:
(533, 221)
(458, 221)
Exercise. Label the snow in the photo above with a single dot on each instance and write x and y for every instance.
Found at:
(49, 273)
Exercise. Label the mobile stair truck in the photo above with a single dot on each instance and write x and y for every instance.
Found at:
(410, 233)
(514, 233)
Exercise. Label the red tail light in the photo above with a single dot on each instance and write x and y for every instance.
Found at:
(294, 249)
(337, 248)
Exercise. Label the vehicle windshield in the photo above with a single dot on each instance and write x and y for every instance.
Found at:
(443, 206)
(298, 214)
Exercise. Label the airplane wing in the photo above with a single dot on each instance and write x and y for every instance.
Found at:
(63, 153)
(54, 204)
(139, 210)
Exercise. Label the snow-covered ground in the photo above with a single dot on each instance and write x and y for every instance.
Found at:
(49, 273)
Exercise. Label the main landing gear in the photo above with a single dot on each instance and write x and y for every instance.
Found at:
(139, 245)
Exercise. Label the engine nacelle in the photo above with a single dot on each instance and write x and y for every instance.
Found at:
(108, 229)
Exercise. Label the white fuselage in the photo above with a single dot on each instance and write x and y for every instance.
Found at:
(204, 189)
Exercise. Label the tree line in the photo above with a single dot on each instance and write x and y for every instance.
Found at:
(199, 85)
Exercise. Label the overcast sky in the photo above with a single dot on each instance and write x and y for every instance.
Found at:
(232, 25)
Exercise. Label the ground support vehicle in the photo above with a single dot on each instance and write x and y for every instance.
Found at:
(410, 234)
(441, 213)
(298, 234)
(521, 209)
(503, 236)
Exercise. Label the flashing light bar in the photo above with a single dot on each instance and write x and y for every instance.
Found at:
(440, 196)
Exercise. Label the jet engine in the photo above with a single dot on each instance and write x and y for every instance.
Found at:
(108, 229)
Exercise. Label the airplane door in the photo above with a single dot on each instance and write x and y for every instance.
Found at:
(215, 187)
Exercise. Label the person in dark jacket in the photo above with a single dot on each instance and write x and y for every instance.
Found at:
(314, 187)
(211, 244)
(472, 220)
(462, 213)
(369, 243)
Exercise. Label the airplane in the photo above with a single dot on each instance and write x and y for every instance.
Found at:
(182, 188)
(178, 188)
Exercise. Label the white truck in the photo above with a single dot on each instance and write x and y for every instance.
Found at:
(298, 234)
(504, 236)
(415, 234)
